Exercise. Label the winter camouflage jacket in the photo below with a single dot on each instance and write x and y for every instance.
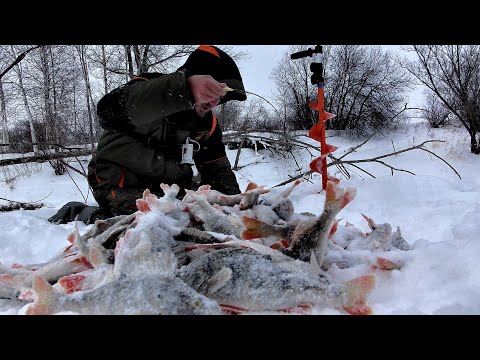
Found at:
(146, 121)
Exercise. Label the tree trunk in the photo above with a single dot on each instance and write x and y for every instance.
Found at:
(83, 61)
(33, 133)
(3, 111)
(104, 68)
(474, 146)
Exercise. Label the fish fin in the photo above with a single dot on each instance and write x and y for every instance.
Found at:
(279, 245)
(218, 280)
(357, 291)
(232, 310)
(142, 205)
(170, 190)
(288, 191)
(314, 263)
(262, 191)
(337, 198)
(333, 179)
(79, 242)
(13, 281)
(96, 257)
(250, 186)
(334, 228)
(371, 223)
(300, 309)
(71, 283)
(71, 237)
(44, 296)
(254, 228)
(385, 264)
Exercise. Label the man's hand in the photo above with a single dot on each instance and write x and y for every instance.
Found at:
(205, 88)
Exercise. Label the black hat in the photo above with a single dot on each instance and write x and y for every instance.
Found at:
(210, 60)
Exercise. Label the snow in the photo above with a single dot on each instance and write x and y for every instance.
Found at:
(436, 211)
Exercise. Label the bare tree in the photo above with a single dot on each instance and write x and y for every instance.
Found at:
(364, 88)
(19, 72)
(229, 115)
(436, 113)
(256, 117)
(3, 112)
(18, 59)
(81, 50)
(294, 90)
(159, 58)
(452, 73)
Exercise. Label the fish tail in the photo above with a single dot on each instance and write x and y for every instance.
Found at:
(254, 228)
(357, 292)
(337, 198)
(44, 298)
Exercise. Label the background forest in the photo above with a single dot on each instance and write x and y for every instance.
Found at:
(48, 94)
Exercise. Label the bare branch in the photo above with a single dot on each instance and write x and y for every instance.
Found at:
(71, 178)
(438, 157)
(18, 59)
(294, 178)
(74, 169)
(377, 158)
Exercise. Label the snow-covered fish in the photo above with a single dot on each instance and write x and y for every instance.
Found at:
(142, 281)
(312, 235)
(213, 219)
(379, 238)
(248, 279)
(398, 241)
(142, 295)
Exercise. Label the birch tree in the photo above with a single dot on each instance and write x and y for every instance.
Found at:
(81, 49)
(3, 113)
(19, 72)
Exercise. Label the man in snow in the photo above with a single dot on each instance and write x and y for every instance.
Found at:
(149, 123)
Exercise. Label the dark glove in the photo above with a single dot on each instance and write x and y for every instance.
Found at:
(75, 210)
(220, 176)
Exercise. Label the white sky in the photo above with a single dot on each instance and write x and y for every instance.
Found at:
(435, 210)
(256, 70)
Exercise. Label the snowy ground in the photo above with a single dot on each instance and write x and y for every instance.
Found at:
(436, 211)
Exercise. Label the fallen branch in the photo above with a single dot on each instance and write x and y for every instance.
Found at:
(45, 157)
(17, 205)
